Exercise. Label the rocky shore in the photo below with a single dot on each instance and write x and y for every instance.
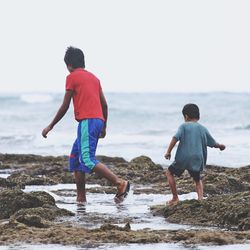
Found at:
(34, 217)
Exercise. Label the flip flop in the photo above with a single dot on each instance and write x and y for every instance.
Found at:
(120, 197)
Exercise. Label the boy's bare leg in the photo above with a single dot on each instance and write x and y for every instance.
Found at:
(80, 186)
(172, 185)
(199, 189)
(104, 171)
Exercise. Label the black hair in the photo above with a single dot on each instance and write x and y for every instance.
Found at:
(74, 57)
(191, 110)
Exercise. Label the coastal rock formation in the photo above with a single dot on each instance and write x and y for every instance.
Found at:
(141, 170)
(231, 211)
(39, 216)
(48, 170)
(16, 233)
(32, 208)
(34, 217)
(25, 179)
(13, 200)
(5, 183)
(110, 161)
(222, 180)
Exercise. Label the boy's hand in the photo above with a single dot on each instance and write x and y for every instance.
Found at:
(46, 131)
(167, 156)
(222, 147)
(103, 133)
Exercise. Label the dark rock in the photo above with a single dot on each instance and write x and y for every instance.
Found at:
(4, 166)
(24, 179)
(144, 163)
(9, 184)
(35, 209)
(108, 227)
(32, 221)
(110, 160)
(45, 198)
(141, 170)
(29, 158)
(228, 211)
(40, 216)
(222, 180)
(13, 200)
(46, 170)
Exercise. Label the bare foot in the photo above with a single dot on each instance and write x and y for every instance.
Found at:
(81, 202)
(81, 199)
(172, 202)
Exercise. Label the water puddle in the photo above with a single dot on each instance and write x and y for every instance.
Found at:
(101, 208)
(6, 173)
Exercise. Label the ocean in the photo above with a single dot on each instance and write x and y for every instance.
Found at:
(138, 124)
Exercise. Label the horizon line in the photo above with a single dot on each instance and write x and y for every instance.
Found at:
(131, 92)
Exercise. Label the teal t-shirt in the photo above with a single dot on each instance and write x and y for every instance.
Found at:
(193, 140)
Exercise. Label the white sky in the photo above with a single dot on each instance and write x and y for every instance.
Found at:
(131, 45)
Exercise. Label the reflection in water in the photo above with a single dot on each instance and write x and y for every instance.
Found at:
(81, 209)
(101, 209)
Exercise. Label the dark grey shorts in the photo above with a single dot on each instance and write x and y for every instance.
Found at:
(178, 172)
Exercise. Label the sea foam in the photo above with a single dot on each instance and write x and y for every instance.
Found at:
(36, 98)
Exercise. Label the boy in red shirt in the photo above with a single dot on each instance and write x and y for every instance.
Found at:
(91, 112)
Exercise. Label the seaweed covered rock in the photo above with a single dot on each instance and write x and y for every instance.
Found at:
(143, 170)
(21, 159)
(144, 163)
(36, 169)
(24, 179)
(230, 211)
(13, 200)
(140, 170)
(39, 216)
(223, 184)
(45, 198)
(110, 161)
(6, 183)
(222, 180)
(35, 209)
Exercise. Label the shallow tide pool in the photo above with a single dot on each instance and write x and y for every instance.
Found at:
(101, 207)
(135, 209)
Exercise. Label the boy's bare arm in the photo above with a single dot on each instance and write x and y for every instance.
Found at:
(105, 113)
(60, 113)
(170, 147)
(220, 146)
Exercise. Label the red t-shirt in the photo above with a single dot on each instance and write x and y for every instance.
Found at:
(86, 97)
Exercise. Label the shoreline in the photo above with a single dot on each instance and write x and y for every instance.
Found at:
(226, 210)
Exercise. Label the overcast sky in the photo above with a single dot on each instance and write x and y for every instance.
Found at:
(131, 45)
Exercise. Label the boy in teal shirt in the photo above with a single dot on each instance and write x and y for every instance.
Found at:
(191, 153)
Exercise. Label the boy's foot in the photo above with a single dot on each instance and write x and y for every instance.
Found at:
(124, 190)
(172, 202)
(81, 199)
(81, 203)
